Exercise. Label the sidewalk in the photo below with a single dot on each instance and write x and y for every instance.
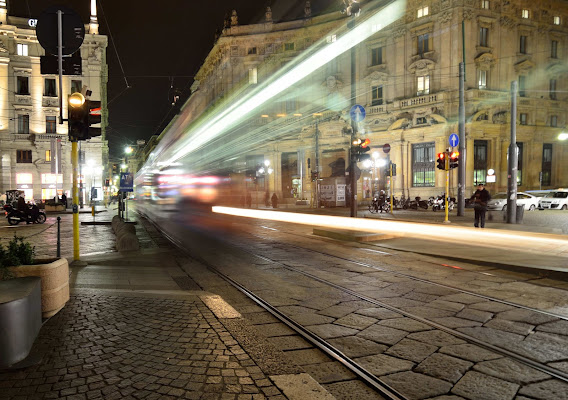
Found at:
(140, 325)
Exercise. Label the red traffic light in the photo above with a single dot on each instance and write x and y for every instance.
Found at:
(455, 154)
(365, 143)
(441, 155)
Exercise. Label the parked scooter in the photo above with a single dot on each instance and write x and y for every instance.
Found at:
(33, 216)
(418, 203)
(440, 203)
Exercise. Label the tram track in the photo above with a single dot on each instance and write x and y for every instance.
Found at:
(363, 374)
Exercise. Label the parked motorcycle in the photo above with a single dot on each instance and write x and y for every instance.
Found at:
(376, 206)
(34, 216)
(418, 203)
(440, 203)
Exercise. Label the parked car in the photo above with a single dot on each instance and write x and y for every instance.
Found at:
(499, 201)
(554, 200)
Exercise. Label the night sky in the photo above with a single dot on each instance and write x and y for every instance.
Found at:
(160, 44)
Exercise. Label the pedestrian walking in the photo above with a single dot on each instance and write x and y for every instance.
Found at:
(64, 200)
(274, 200)
(480, 199)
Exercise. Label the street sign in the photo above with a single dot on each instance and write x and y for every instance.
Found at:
(49, 65)
(357, 113)
(126, 182)
(454, 139)
(73, 30)
(386, 148)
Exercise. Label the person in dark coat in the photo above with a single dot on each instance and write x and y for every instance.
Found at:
(64, 200)
(480, 199)
(274, 200)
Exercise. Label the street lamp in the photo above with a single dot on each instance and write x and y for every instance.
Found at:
(563, 136)
(128, 150)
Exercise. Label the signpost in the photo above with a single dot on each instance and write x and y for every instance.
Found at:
(357, 113)
(386, 148)
(454, 140)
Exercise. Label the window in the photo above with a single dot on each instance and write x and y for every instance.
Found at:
(377, 95)
(23, 124)
(253, 76)
(421, 120)
(554, 49)
(553, 121)
(377, 56)
(288, 46)
(76, 86)
(423, 168)
(49, 179)
(423, 85)
(423, 44)
(483, 35)
(22, 85)
(331, 38)
(523, 118)
(50, 124)
(482, 79)
(48, 156)
(553, 89)
(479, 161)
(546, 164)
(523, 45)
(422, 12)
(24, 156)
(525, 13)
(556, 20)
(49, 87)
(251, 50)
(522, 85)
(485, 4)
(519, 163)
(22, 49)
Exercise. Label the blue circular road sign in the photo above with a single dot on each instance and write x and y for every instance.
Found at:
(454, 139)
(357, 113)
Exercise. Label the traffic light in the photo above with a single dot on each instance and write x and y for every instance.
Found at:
(364, 148)
(314, 176)
(454, 159)
(78, 117)
(442, 161)
(94, 107)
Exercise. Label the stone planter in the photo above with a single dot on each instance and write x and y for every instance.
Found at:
(54, 274)
(57, 208)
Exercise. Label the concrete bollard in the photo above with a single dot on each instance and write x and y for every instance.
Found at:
(127, 242)
(115, 221)
(125, 228)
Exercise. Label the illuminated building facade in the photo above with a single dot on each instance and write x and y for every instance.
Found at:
(31, 137)
(407, 80)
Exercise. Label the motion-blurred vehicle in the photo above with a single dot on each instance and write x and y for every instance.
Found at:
(499, 201)
(554, 200)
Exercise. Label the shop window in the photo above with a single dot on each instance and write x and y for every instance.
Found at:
(50, 124)
(377, 95)
(23, 123)
(22, 49)
(554, 49)
(49, 88)
(377, 56)
(546, 164)
(22, 85)
(24, 179)
(423, 85)
(479, 161)
(24, 156)
(483, 36)
(49, 179)
(423, 168)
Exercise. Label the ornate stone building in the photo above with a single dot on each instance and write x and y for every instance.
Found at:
(406, 77)
(31, 137)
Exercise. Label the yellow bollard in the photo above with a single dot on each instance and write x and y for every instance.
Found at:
(75, 166)
(93, 211)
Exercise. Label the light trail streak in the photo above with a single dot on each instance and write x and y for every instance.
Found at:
(505, 240)
(231, 115)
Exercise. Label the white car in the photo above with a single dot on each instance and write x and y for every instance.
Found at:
(554, 200)
(499, 201)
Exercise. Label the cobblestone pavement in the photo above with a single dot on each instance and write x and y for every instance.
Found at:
(123, 347)
(414, 357)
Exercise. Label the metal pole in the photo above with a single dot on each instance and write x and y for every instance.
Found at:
(81, 184)
(513, 161)
(317, 166)
(75, 164)
(391, 187)
(352, 160)
(461, 146)
(60, 60)
(446, 195)
(58, 237)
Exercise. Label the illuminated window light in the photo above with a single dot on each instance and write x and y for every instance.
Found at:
(297, 115)
(280, 115)
(264, 116)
